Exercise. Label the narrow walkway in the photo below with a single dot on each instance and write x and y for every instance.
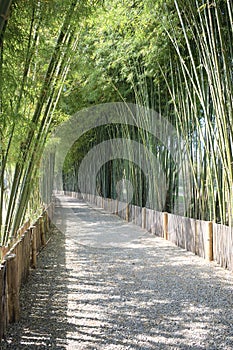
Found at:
(106, 284)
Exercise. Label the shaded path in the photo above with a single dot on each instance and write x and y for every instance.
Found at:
(107, 284)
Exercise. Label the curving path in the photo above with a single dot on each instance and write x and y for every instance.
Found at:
(106, 284)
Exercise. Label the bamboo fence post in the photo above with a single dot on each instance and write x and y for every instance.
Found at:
(196, 239)
(27, 252)
(42, 230)
(117, 204)
(34, 250)
(49, 214)
(165, 226)
(52, 213)
(210, 242)
(47, 220)
(13, 308)
(143, 217)
(19, 260)
(3, 308)
(127, 212)
(132, 213)
(110, 205)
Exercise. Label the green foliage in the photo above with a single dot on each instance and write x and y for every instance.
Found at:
(57, 57)
(176, 57)
(38, 45)
(120, 46)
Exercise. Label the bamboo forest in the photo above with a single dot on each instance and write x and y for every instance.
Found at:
(174, 57)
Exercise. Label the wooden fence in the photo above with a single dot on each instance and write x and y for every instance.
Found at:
(204, 238)
(16, 263)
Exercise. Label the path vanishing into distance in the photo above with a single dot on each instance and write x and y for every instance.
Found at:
(103, 283)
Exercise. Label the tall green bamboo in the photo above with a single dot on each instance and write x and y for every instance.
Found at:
(36, 100)
(205, 82)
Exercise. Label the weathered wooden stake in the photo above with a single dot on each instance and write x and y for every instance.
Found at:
(165, 226)
(13, 289)
(196, 239)
(210, 241)
(47, 220)
(34, 250)
(3, 307)
(50, 212)
(127, 212)
(117, 203)
(42, 231)
(143, 217)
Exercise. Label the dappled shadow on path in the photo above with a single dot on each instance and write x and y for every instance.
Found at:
(131, 290)
(125, 301)
(107, 284)
(43, 302)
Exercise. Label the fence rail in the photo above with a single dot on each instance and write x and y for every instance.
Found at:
(206, 239)
(16, 263)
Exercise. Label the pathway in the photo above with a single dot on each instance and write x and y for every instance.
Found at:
(106, 284)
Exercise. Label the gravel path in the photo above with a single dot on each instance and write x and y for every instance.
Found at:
(106, 284)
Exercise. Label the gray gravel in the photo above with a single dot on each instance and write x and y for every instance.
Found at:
(106, 284)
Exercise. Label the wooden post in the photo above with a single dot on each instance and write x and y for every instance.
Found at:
(132, 213)
(13, 289)
(143, 217)
(116, 212)
(19, 260)
(127, 212)
(165, 226)
(209, 254)
(34, 250)
(3, 307)
(42, 231)
(196, 239)
(27, 252)
(47, 220)
(49, 215)
(53, 209)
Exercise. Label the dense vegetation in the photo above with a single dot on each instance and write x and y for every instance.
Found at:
(174, 56)
(38, 40)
